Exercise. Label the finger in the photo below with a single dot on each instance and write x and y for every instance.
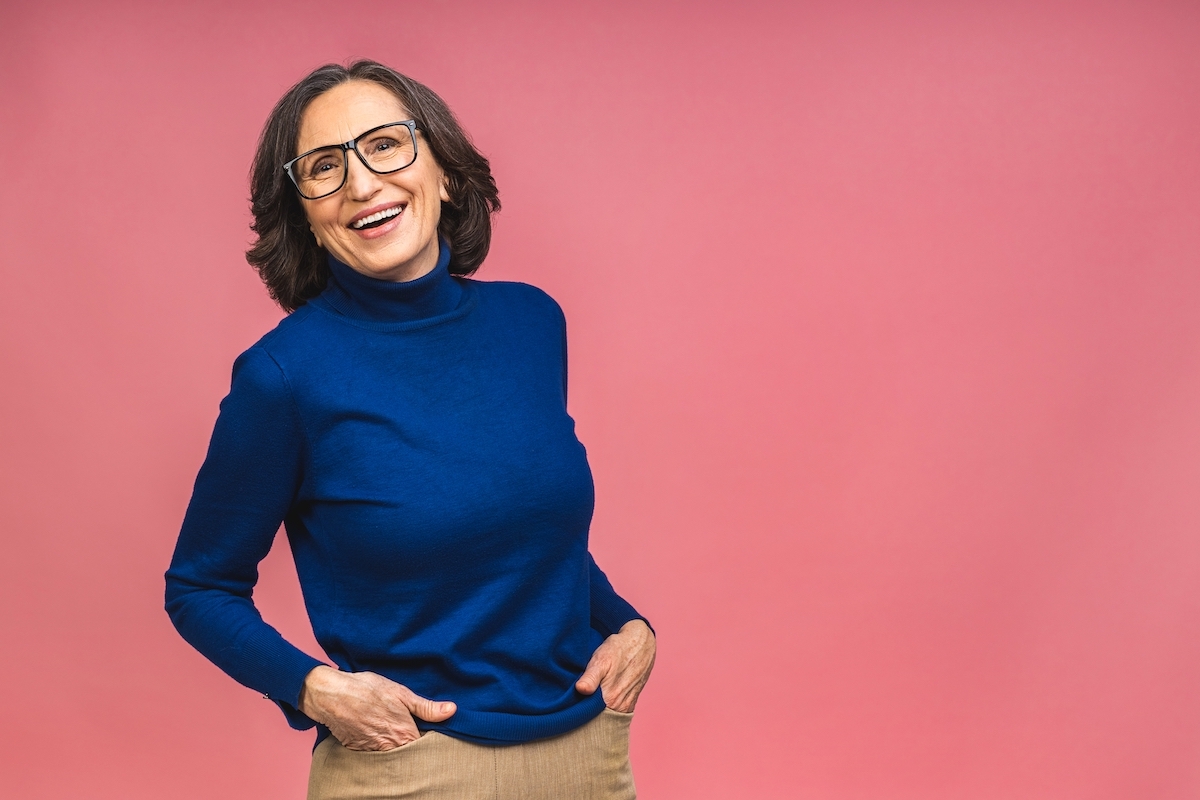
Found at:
(624, 682)
(620, 698)
(615, 687)
(430, 710)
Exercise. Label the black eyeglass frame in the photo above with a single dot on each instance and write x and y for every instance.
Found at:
(352, 145)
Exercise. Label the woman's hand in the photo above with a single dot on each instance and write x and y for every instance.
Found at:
(621, 666)
(365, 711)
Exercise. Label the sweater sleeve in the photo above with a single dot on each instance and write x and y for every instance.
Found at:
(609, 610)
(244, 490)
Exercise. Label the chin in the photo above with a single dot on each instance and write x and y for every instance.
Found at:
(397, 262)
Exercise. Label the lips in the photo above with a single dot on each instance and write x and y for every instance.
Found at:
(375, 217)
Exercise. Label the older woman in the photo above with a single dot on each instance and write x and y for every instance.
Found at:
(408, 426)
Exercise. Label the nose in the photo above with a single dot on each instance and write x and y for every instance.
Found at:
(361, 183)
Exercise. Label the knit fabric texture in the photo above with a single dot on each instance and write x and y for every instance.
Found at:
(413, 439)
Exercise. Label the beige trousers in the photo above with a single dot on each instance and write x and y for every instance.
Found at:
(588, 762)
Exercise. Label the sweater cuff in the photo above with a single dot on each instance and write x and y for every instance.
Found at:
(610, 611)
(286, 682)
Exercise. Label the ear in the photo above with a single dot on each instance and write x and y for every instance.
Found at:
(317, 236)
(444, 189)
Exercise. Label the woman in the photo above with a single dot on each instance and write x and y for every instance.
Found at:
(409, 428)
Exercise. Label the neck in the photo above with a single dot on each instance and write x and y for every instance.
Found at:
(361, 297)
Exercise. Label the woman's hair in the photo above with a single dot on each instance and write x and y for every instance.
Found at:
(286, 254)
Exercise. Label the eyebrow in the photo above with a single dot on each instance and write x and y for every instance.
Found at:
(356, 136)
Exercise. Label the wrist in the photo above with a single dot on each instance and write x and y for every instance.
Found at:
(318, 681)
(637, 626)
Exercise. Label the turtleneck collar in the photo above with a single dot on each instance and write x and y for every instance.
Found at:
(360, 297)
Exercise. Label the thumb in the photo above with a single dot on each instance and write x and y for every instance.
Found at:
(429, 710)
(589, 681)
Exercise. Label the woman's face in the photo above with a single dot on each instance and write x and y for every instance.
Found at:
(405, 246)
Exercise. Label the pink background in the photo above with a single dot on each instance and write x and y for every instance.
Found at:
(885, 348)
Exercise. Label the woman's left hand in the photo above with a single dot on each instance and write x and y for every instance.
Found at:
(621, 666)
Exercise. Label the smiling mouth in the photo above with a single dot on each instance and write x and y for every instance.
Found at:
(377, 219)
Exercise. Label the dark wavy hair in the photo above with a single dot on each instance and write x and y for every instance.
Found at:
(286, 254)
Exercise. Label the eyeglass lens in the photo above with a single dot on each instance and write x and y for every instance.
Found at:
(322, 171)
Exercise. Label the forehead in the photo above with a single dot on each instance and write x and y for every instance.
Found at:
(345, 111)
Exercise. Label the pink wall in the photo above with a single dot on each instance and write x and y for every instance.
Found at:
(885, 347)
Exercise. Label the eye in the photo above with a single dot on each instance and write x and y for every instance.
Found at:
(381, 145)
(322, 167)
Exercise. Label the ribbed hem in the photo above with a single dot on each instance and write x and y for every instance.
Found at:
(482, 727)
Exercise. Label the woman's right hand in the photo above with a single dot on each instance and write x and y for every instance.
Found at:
(365, 711)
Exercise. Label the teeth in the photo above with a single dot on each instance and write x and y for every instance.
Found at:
(387, 212)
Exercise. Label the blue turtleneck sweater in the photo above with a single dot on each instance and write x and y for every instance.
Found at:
(413, 438)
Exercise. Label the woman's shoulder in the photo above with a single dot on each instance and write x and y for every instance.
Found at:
(294, 329)
(293, 333)
(517, 296)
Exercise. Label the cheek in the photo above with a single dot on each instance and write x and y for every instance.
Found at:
(322, 218)
(322, 221)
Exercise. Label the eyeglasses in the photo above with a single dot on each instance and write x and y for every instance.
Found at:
(322, 171)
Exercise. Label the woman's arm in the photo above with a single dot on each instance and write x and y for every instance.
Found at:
(246, 487)
(243, 491)
(622, 663)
